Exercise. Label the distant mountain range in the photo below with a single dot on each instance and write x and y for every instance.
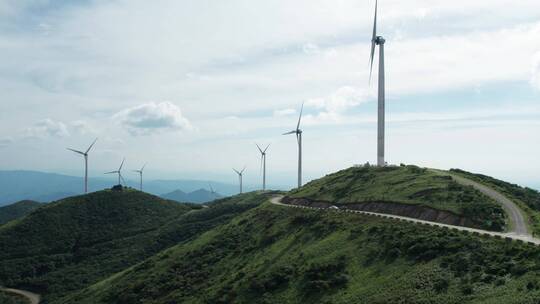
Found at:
(197, 196)
(45, 187)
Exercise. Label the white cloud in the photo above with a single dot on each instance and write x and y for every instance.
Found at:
(47, 128)
(333, 106)
(535, 79)
(153, 117)
(284, 112)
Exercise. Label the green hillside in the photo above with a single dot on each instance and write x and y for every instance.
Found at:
(274, 254)
(406, 186)
(72, 243)
(9, 298)
(17, 210)
(528, 199)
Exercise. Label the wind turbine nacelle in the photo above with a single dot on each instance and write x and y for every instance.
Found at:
(379, 40)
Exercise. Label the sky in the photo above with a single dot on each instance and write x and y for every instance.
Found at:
(189, 87)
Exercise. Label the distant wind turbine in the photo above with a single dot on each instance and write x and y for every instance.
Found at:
(379, 40)
(211, 189)
(140, 175)
(119, 172)
(298, 133)
(85, 154)
(240, 174)
(263, 164)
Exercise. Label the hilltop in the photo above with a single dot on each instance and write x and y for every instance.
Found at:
(69, 244)
(132, 247)
(17, 210)
(273, 254)
(406, 190)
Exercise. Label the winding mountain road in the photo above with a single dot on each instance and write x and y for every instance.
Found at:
(32, 297)
(276, 200)
(519, 225)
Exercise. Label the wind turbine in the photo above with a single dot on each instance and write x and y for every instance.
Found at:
(85, 154)
(379, 40)
(119, 172)
(211, 189)
(298, 133)
(263, 164)
(240, 174)
(140, 175)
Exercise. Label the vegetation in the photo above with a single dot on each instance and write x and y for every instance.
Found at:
(527, 199)
(17, 210)
(410, 185)
(10, 298)
(68, 245)
(273, 254)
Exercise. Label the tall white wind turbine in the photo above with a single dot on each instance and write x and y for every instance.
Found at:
(263, 164)
(85, 154)
(379, 41)
(140, 176)
(298, 133)
(240, 175)
(119, 172)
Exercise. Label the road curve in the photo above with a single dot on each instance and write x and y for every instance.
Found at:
(32, 297)
(276, 200)
(519, 225)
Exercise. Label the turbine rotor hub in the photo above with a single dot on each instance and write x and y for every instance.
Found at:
(379, 40)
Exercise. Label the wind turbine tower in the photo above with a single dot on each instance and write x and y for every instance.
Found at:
(240, 175)
(298, 133)
(85, 154)
(119, 172)
(140, 175)
(379, 41)
(263, 164)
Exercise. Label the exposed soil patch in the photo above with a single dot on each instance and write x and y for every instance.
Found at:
(408, 210)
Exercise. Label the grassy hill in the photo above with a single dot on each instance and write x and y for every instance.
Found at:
(403, 187)
(527, 199)
(70, 244)
(274, 254)
(9, 298)
(17, 210)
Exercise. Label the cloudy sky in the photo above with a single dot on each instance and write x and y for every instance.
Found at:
(191, 86)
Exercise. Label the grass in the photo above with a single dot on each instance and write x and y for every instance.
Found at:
(17, 210)
(527, 199)
(10, 298)
(408, 185)
(273, 254)
(68, 245)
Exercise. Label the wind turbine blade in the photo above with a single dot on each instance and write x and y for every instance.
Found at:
(292, 132)
(243, 170)
(373, 38)
(122, 178)
(259, 148)
(236, 171)
(300, 117)
(266, 148)
(142, 169)
(76, 151)
(111, 172)
(88, 150)
(122, 164)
